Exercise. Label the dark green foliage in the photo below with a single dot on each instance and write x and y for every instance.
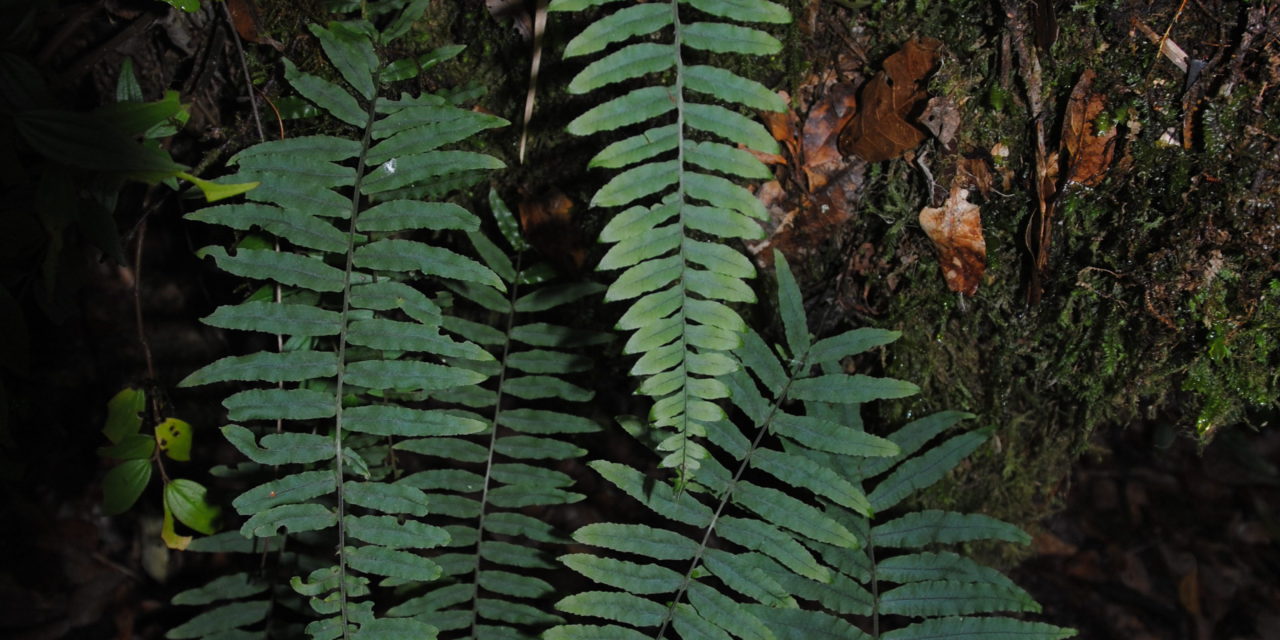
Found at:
(792, 538)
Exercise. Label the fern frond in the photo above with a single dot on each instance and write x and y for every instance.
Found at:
(368, 351)
(493, 593)
(677, 182)
(787, 544)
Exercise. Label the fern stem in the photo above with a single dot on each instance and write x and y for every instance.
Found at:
(728, 493)
(875, 587)
(678, 98)
(493, 441)
(339, 383)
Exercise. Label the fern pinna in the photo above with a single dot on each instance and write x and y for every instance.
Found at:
(489, 592)
(789, 544)
(359, 381)
(674, 180)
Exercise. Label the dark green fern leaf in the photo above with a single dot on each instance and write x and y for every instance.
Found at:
(495, 593)
(677, 181)
(367, 363)
(789, 544)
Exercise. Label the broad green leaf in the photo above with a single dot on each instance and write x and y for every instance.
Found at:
(943, 565)
(725, 159)
(186, 500)
(540, 421)
(692, 626)
(798, 471)
(124, 414)
(800, 624)
(133, 447)
(123, 484)
(850, 343)
(724, 194)
(738, 572)
(629, 62)
(725, 223)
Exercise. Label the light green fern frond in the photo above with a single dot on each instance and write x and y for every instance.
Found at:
(367, 363)
(788, 546)
(677, 182)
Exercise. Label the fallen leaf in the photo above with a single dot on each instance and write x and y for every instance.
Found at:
(822, 129)
(942, 118)
(975, 172)
(956, 230)
(244, 16)
(1087, 151)
(547, 223)
(783, 126)
(881, 130)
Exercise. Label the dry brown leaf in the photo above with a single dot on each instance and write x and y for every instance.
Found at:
(821, 131)
(881, 130)
(244, 16)
(1088, 153)
(547, 222)
(956, 230)
(975, 172)
(942, 118)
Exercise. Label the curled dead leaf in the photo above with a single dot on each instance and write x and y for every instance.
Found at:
(881, 130)
(547, 223)
(821, 131)
(1088, 151)
(956, 230)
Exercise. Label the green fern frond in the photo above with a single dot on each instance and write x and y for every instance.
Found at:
(677, 182)
(492, 592)
(789, 544)
(370, 358)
